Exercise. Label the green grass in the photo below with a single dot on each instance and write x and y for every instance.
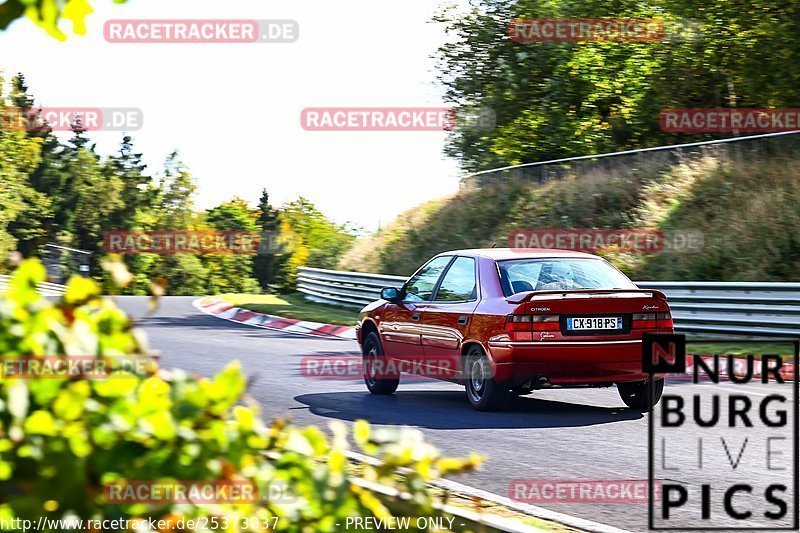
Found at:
(757, 349)
(745, 207)
(293, 305)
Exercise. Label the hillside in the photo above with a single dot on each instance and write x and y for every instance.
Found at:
(747, 208)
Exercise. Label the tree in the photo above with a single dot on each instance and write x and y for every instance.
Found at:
(264, 262)
(556, 100)
(21, 155)
(267, 215)
(232, 272)
(312, 240)
(139, 193)
(93, 198)
(27, 226)
(175, 202)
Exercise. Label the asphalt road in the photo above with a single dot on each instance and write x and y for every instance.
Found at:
(551, 435)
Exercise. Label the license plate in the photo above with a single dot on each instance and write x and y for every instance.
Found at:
(594, 323)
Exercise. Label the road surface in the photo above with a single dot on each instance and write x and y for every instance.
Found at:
(580, 434)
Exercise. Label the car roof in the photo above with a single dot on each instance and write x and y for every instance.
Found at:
(501, 254)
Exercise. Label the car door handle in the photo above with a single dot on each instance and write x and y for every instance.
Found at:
(415, 317)
(462, 320)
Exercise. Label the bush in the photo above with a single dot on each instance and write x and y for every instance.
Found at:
(62, 440)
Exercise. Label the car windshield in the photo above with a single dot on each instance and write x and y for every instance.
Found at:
(520, 275)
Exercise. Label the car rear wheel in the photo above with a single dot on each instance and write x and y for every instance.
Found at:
(375, 369)
(483, 392)
(640, 395)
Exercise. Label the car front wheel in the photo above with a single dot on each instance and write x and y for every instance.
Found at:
(376, 375)
(483, 392)
(640, 395)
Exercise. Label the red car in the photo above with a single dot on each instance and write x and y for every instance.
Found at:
(509, 321)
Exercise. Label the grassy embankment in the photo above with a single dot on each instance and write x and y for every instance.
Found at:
(293, 305)
(748, 210)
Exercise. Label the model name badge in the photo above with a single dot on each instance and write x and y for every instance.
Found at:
(540, 308)
(647, 307)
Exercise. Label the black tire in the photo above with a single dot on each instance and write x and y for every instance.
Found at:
(639, 394)
(372, 351)
(483, 392)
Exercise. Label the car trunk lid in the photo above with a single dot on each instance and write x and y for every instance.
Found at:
(592, 314)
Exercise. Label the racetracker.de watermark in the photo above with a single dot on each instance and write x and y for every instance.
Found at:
(725, 120)
(200, 31)
(621, 240)
(539, 491)
(74, 367)
(395, 119)
(201, 242)
(377, 119)
(181, 492)
(551, 30)
(348, 367)
(67, 118)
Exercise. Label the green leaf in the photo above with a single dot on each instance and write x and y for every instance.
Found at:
(40, 423)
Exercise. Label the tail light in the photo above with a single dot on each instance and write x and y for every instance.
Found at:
(545, 323)
(518, 322)
(644, 320)
(652, 320)
(532, 323)
(664, 320)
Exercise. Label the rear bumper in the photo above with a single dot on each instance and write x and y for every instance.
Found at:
(568, 363)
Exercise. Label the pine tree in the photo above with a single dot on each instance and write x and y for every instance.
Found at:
(264, 262)
(177, 189)
(138, 189)
(29, 227)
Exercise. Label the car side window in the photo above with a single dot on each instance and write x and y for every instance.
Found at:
(420, 287)
(459, 283)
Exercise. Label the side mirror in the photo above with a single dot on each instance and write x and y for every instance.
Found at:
(390, 294)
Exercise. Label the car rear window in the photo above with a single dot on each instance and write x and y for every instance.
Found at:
(520, 275)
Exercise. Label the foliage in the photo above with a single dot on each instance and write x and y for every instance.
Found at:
(47, 13)
(265, 264)
(745, 207)
(66, 193)
(20, 157)
(311, 239)
(556, 100)
(61, 440)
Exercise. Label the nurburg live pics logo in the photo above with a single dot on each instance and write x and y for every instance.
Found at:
(723, 447)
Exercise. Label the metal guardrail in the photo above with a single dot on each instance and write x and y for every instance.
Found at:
(47, 289)
(720, 308)
(629, 163)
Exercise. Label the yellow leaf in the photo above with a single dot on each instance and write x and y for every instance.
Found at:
(46, 18)
(40, 423)
(80, 289)
(361, 431)
(76, 11)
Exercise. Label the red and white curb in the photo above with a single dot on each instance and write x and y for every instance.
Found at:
(219, 308)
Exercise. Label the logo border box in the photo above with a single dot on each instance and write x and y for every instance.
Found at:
(795, 419)
(650, 339)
